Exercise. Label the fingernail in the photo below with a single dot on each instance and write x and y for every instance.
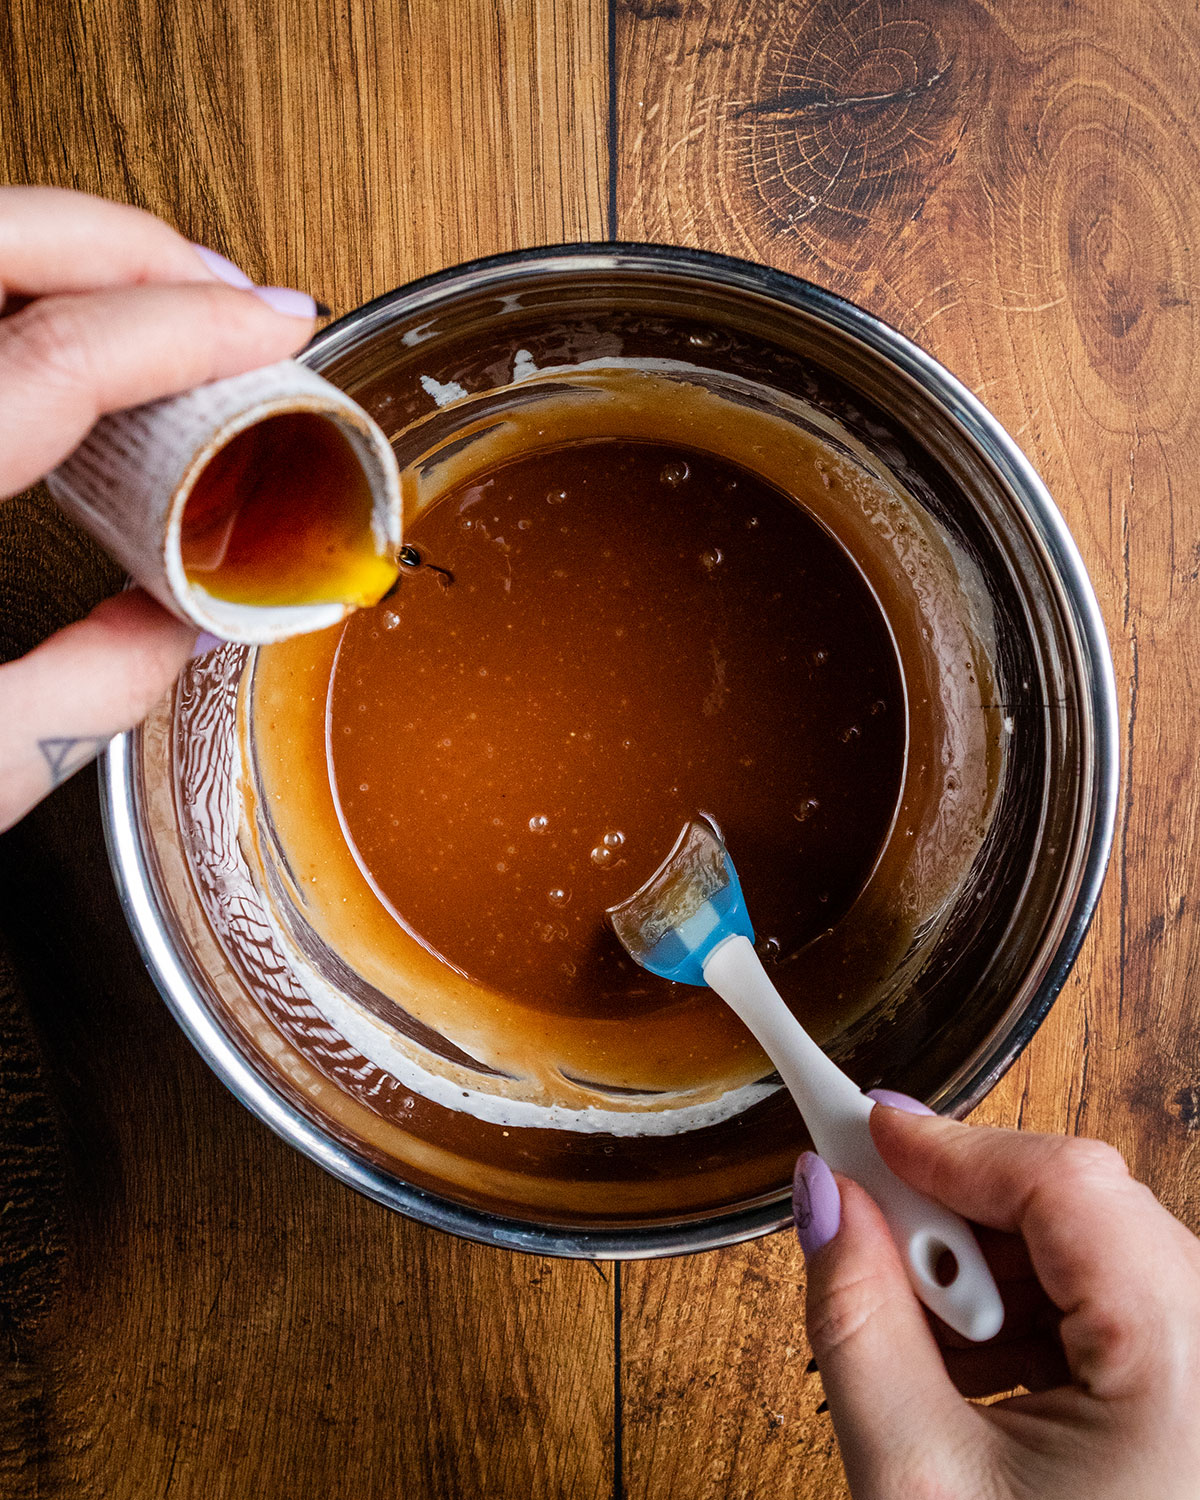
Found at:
(285, 299)
(225, 269)
(816, 1204)
(205, 643)
(900, 1101)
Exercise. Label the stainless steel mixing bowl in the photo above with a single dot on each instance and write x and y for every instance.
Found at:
(990, 977)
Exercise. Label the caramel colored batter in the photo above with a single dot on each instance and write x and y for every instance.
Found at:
(699, 584)
(633, 631)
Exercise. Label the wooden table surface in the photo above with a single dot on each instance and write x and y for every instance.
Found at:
(187, 1307)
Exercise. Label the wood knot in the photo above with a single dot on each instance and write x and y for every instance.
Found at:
(1121, 251)
(852, 108)
(1106, 239)
(1185, 1107)
(1107, 214)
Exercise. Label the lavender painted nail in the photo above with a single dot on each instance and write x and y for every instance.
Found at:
(285, 299)
(903, 1102)
(225, 269)
(205, 643)
(816, 1203)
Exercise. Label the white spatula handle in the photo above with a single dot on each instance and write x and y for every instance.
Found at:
(962, 1291)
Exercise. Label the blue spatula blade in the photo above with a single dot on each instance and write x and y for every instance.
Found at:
(692, 902)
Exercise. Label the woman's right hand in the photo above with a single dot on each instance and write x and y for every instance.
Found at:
(1102, 1287)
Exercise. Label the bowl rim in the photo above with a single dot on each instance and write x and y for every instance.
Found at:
(137, 885)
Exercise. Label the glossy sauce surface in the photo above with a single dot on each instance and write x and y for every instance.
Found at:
(602, 639)
(597, 1096)
(282, 515)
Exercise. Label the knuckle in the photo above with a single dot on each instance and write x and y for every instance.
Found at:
(138, 694)
(230, 309)
(48, 341)
(1086, 1160)
(1113, 1341)
(223, 306)
(130, 703)
(244, 331)
(841, 1310)
(926, 1483)
(143, 696)
(140, 664)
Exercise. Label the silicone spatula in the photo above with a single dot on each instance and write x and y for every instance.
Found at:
(689, 923)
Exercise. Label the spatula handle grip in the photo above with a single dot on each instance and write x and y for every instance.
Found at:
(961, 1290)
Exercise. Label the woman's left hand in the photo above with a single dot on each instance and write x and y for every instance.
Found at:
(103, 307)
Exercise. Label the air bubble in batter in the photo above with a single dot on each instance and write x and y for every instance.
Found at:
(675, 474)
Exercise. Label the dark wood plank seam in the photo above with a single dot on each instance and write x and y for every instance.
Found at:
(618, 1401)
(618, 1448)
(612, 119)
(618, 1445)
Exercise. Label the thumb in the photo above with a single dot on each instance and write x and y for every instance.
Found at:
(896, 1412)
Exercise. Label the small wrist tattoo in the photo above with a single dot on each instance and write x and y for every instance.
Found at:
(67, 755)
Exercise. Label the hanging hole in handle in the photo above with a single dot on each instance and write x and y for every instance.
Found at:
(943, 1263)
(934, 1261)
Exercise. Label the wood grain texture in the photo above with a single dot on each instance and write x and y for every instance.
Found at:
(345, 148)
(201, 1312)
(1015, 186)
